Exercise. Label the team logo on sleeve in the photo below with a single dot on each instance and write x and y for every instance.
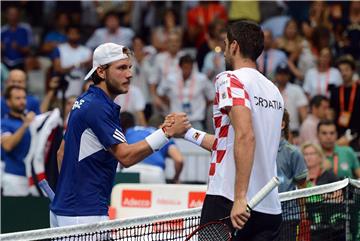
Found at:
(119, 135)
(77, 104)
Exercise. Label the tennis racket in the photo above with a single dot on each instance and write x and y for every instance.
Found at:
(218, 230)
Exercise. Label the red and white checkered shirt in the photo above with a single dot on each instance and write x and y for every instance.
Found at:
(249, 88)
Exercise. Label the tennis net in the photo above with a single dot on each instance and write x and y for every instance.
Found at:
(327, 212)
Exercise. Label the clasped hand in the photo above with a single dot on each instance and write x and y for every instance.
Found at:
(176, 124)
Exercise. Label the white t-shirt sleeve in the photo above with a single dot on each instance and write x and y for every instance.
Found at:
(337, 77)
(162, 88)
(139, 100)
(307, 82)
(231, 92)
(301, 99)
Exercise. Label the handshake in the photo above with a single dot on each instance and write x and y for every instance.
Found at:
(176, 125)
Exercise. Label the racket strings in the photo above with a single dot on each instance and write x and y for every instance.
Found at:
(214, 232)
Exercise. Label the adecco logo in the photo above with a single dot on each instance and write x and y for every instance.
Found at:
(196, 199)
(136, 199)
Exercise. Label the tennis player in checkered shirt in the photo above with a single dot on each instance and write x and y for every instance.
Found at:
(248, 110)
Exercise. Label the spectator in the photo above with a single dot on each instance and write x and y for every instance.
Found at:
(352, 31)
(343, 159)
(133, 101)
(316, 162)
(152, 168)
(165, 63)
(270, 58)
(160, 34)
(71, 60)
(57, 35)
(199, 19)
(214, 29)
(291, 43)
(17, 77)
(294, 97)
(4, 74)
(112, 32)
(316, 39)
(319, 107)
(321, 79)
(319, 14)
(291, 167)
(344, 98)
(15, 142)
(188, 91)
(142, 68)
(16, 39)
(214, 62)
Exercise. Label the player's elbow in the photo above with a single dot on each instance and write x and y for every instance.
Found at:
(7, 147)
(125, 163)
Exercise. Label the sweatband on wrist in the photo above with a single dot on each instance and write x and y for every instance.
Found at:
(195, 136)
(157, 140)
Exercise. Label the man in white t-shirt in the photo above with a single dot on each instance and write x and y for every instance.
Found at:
(165, 63)
(321, 79)
(134, 102)
(248, 109)
(112, 32)
(294, 97)
(71, 59)
(188, 91)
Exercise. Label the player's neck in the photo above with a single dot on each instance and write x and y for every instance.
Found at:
(244, 63)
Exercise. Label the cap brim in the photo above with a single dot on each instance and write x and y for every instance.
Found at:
(90, 73)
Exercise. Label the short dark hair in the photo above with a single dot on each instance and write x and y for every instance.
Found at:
(111, 14)
(96, 78)
(73, 26)
(249, 37)
(8, 90)
(346, 59)
(316, 100)
(325, 123)
(127, 120)
(186, 59)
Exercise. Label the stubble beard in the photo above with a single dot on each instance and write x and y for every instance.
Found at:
(113, 90)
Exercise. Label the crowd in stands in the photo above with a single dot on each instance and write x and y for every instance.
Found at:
(311, 52)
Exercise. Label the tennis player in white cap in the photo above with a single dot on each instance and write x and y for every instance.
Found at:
(94, 143)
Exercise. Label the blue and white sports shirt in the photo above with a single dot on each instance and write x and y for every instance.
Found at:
(88, 169)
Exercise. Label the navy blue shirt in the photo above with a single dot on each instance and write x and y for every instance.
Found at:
(32, 104)
(21, 36)
(14, 160)
(88, 168)
(138, 133)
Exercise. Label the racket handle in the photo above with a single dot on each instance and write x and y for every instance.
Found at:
(44, 185)
(260, 195)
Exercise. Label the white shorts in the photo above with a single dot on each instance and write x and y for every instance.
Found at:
(14, 185)
(60, 221)
(148, 173)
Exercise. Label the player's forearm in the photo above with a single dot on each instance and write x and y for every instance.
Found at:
(244, 147)
(129, 155)
(10, 142)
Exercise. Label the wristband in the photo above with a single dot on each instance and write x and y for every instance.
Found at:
(195, 136)
(157, 140)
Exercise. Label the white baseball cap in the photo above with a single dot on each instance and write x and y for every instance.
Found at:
(107, 53)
